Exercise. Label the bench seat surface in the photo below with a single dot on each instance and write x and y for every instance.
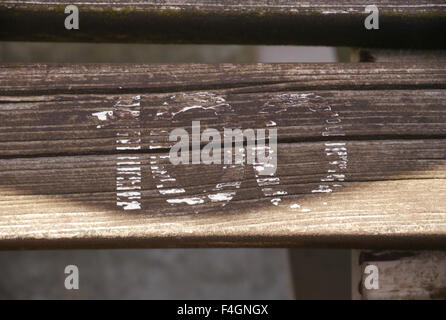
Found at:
(361, 159)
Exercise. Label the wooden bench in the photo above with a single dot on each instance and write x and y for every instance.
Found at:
(405, 23)
(361, 157)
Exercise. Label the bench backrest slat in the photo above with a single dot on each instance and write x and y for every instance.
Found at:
(414, 24)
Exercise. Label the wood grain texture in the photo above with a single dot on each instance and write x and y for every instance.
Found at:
(361, 158)
(408, 275)
(416, 23)
(71, 78)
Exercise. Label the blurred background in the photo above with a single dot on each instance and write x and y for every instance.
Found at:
(175, 273)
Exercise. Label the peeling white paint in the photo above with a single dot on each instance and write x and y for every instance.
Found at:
(189, 201)
(103, 116)
(184, 102)
(134, 205)
(335, 152)
(128, 173)
(271, 124)
(172, 191)
(222, 196)
(129, 148)
(175, 106)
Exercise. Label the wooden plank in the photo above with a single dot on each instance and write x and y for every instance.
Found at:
(310, 102)
(396, 213)
(402, 23)
(76, 78)
(71, 124)
(52, 78)
(361, 158)
(409, 274)
(392, 55)
(405, 275)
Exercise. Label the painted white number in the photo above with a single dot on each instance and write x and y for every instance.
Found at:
(372, 20)
(72, 280)
(371, 282)
(72, 21)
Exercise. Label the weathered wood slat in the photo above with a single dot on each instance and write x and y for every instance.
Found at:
(392, 55)
(392, 214)
(300, 168)
(308, 101)
(398, 274)
(361, 159)
(417, 23)
(68, 124)
(75, 78)
(408, 275)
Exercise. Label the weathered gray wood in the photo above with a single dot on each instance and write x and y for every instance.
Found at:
(368, 101)
(403, 274)
(361, 155)
(74, 78)
(417, 23)
(398, 213)
(392, 55)
(68, 124)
